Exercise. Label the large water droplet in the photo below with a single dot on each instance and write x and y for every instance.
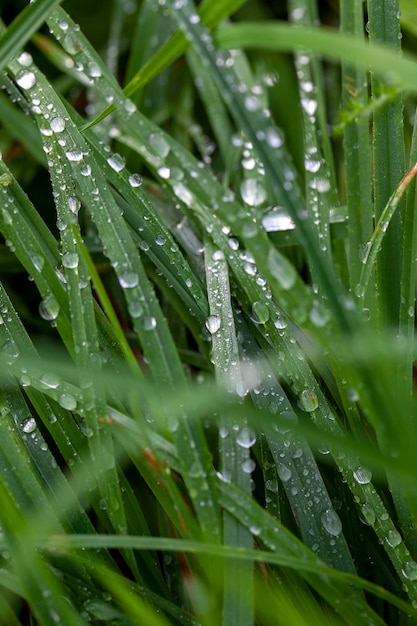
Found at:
(362, 475)
(116, 162)
(393, 538)
(49, 308)
(246, 437)
(252, 191)
(149, 323)
(74, 156)
(307, 401)
(135, 180)
(277, 219)
(29, 425)
(284, 472)
(25, 79)
(410, 570)
(67, 401)
(50, 380)
(331, 522)
(260, 313)
(70, 260)
(128, 280)
(273, 137)
(57, 124)
(213, 323)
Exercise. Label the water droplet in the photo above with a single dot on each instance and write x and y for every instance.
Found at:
(331, 522)
(362, 475)
(29, 425)
(311, 165)
(86, 170)
(364, 251)
(70, 260)
(93, 70)
(393, 538)
(25, 79)
(25, 59)
(260, 313)
(49, 308)
(273, 137)
(160, 240)
(38, 261)
(246, 438)
(410, 570)
(277, 219)
(149, 323)
(74, 156)
(50, 380)
(253, 192)
(213, 323)
(307, 401)
(25, 380)
(135, 180)
(309, 105)
(67, 401)
(116, 162)
(164, 172)
(57, 124)
(252, 103)
(255, 530)
(280, 323)
(128, 280)
(135, 309)
(284, 472)
(159, 145)
(369, 514)
(248, 466)
(74, 205)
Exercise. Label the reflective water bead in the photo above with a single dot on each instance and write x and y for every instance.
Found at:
(213, 323)
(70, 260)
(410, 570)
(248, 466)
(260, 313)
(116, 162)
(74, 156)
(331, 522)
(67, 401)
(307, 401)
(393, 538)
(135, 309)
(29, 425)
(284, 472)
(50, 380)
(25, 59)
(25, 79)
(164, 172)
(57, 124)
(49, 308)
(135, 180)
(149, 323)
(273, 137)
(252, 192)
(93, 70)
(362, 475)
(160, 146)
(246, 437)
(128, 280)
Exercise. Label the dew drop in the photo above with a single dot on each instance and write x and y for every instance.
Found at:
(159, 145)
(213, 323)
(273, 137)
(128, 280)
(49, 308)
(149, 323)
(246, 438)
(248, 466)
(116, 162)
(29, 425)
(135, 309)
(25, 59)
(38, 261)
(331, 522)
(50, 380)
(74, 156)
(393, 538)
(135, 180)
(307, 401)
(70, 260)
(362, 475)
(284, 472)
(93, 70)
(67, 401)
(252, 191)
(260, 313)
(25, 79)
(410, 570)
(164, 172)
(57, 124)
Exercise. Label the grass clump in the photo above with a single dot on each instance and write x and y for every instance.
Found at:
(207, 396)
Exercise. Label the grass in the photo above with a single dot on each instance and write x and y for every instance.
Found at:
(207, 313)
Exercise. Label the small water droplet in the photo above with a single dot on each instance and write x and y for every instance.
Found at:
(393, 538)
(38, 261)
(29, 425)
(50, 380)
(70, 260)
(116, 162)
(164, 172)
(213, 323)
(149, 323)
(93, 70)
(26, 79)
(160, 240)
(135, 309)
(49, 308)
(25, 59)
(284, 472)
(135, 180)
(248, 466)
(273, 137)
(410, 570)
(369, 514)
(260, 313)
(307, 401)
(57, 124)
(128, 280)
(67, 401)
(362, 475)
(160, 146)
(253, 192)
(331, 522)
(364, 251)
(74, 156)
(246, 437)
